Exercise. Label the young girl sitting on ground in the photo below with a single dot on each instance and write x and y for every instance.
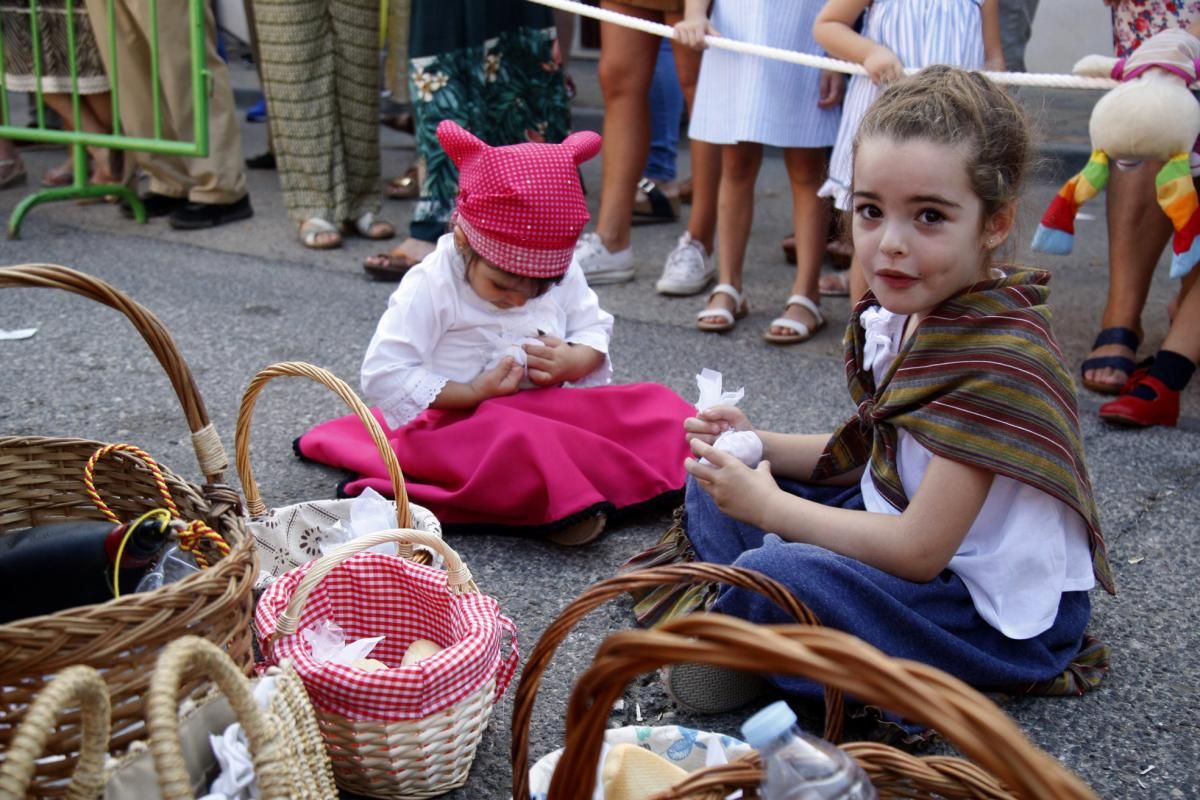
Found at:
(498, 308)
(951, 520)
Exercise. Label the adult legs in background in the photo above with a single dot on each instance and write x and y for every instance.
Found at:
(12, 168)
(735, 214)
(1137, 232)
(95, 112)
(627, 59)
(1016, 26)
(688, 267)
(810, 221)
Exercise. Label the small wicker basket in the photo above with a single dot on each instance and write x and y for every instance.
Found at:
(290, 762)
(601, 592)
(41, 480)
(1006, 764)
(395, 757)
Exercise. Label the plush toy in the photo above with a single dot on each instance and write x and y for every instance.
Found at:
(1151, 116)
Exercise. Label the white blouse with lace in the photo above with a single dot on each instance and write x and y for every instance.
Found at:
(1025, 547)
(436, 329)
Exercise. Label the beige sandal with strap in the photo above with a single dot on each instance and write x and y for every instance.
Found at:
(725, 319)
(799, 332)
(369, 226)
(319, 234)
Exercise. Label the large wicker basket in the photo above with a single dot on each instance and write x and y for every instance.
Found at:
(41, 480)
(1005, 763)
(601, 592)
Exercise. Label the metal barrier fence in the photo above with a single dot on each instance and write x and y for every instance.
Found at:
(78, 140)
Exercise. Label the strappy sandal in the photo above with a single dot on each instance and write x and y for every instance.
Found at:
(369, 226)
(406, 186)
(727, 319)
(799, 331)
(319, 234)
(12, 173)
(1116, 335)
(652, 204)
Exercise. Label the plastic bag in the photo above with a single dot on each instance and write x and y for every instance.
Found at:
(328, 643)
(745, 446)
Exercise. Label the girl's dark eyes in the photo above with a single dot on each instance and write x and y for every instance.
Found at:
(930, 216)
(868, 210)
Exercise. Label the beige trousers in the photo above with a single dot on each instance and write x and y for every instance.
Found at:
(215, 178)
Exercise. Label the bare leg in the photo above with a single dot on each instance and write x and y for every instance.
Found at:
(626, 67)
(1137, 232)
(810, 221)
(1184, 334)
(735, 203)
(706, 157)
(91, 123)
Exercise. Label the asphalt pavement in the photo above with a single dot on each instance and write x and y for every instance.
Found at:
(247, 295)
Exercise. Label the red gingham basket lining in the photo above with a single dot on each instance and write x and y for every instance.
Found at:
(373, 594)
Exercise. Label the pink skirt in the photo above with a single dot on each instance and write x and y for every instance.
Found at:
(538, 458)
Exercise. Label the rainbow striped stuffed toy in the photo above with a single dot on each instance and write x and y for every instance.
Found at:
(1154, 87)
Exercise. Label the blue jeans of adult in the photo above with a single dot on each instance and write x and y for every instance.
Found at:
(666, 107)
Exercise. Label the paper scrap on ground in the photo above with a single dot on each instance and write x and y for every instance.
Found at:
(21, 333)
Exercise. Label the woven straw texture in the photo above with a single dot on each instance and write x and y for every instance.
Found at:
(289, 756)
(1005, 763)
(41, 480)
(267, 527)
(394, 757)
(76, 687)
(601, 592)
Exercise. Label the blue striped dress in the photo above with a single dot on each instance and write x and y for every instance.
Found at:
(744, 98)
(921, 33)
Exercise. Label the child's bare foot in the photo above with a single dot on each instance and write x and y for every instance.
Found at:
(800, 320)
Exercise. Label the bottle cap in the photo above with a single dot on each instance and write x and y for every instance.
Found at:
(767, 725)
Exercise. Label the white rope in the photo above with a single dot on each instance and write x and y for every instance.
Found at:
(805, 59)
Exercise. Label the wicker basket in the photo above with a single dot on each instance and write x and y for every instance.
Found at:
(77, 687)
(601, 592)
(408, 757)
(267, 526)
(289, 756)
(41, 480)
(1007, 764)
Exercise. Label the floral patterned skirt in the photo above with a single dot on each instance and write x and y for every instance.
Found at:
(491, 72)
(1135, 21)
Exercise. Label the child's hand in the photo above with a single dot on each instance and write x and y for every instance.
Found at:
(502, 379)
(552, 362)
(833, 87)
(690, 32)
(712, 422)
(883, 65)
(739, 491)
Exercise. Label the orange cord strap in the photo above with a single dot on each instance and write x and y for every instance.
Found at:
(191, 535)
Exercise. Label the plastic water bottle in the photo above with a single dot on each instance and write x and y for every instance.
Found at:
(174, 565)
(802, 767)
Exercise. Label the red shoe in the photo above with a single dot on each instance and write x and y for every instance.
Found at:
(1138, 413)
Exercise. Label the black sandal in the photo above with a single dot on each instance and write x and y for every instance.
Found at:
(653, 205)
(1122, 336)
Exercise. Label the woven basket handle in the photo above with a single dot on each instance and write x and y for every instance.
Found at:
(917, 691)
(210, 453)
(299, 369)
(458, 577)
(79, 685)
(601, 592)
(186, 657)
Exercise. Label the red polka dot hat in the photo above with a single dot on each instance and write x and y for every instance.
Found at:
(521, 207)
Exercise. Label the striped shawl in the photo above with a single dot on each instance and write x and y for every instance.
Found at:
(981, 382)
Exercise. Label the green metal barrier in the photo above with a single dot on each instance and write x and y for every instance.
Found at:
(79, 140)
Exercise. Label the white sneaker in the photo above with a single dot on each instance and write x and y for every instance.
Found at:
(688, 269)
(601, 266)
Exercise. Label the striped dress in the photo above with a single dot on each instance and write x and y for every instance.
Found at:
(743, 98)
(921, 33)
